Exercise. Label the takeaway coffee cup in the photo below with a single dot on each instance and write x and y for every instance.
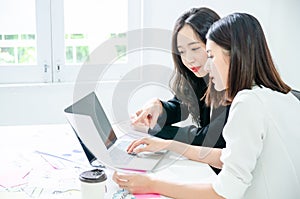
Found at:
(93, 184)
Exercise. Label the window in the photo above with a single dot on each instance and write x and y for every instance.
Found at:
(49, 41)
(18, 49)
(97, 21)
(18, 42)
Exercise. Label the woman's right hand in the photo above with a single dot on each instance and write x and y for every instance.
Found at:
(148, 115)
(151, 144)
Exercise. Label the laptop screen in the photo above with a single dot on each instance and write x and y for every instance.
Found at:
(90, 105)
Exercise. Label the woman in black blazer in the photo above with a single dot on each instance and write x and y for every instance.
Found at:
(190, 86)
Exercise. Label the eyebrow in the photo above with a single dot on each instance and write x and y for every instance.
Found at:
(191, 43)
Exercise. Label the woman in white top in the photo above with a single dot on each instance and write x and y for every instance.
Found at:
(261, 159)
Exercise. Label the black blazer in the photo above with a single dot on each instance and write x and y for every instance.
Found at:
(208, 134)
(296, 93)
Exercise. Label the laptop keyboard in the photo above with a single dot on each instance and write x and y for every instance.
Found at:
(119, 153)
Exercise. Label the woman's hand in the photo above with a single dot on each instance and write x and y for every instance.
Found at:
(134, 183)
(141, 127)
(151, 144)
(148, 115)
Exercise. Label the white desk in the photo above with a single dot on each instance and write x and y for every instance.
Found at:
(26, 171)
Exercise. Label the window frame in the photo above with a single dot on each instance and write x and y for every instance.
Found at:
(33, 73)
(50, 48)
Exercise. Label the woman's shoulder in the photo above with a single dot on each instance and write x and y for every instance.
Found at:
(258, 91)
(262, 95)
(249, 95)
(256, 97)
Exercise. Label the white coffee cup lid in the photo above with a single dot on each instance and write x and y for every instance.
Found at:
(93, 176)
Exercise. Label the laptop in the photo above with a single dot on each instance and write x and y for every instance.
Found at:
(100, 141)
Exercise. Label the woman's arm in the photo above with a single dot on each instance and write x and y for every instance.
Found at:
(209, 135)
(139, 183)
(206, 155)
(202, 154)
(183, 190)
(173, 111)
(156, 114)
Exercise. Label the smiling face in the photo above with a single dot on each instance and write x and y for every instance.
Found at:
(218, 65)
(192, 51)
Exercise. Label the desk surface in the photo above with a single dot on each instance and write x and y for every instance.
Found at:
(44, 161)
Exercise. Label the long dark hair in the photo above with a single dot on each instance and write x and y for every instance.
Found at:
(250, 59)
(186, 86)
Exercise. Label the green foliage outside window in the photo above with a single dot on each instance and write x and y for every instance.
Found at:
(7, 55)
(121, 50)
(14, 53)
(117, 35)
(28, 37)
(69, 54)
(11, 37)
(76, 36)
(82, 54)
(26, 55)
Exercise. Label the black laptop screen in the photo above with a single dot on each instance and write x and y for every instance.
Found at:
(90, 105)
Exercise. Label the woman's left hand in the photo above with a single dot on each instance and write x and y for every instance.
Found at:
(134, 183)
(152, 144)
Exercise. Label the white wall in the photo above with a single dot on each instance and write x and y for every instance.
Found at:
(34, 104)
(39, 104)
